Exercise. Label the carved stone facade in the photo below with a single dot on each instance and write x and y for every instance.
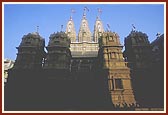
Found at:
(119, 79)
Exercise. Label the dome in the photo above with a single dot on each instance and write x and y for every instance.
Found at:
(32, 39)
(35, 33)
(137, 38)
(59, 39)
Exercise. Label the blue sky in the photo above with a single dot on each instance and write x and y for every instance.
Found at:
(21, 19)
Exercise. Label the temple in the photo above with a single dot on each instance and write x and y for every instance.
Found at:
(84, 71)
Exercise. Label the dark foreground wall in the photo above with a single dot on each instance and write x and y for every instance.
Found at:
(43, 90)
(148, 87)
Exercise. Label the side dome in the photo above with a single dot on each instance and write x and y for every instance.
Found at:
(137, 38)
(59, 39)
(32, 39)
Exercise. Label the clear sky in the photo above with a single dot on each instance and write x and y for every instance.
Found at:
(21, 19)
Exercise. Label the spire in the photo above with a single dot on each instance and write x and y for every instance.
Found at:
(70, 28)
(98, 27)
(84, 31)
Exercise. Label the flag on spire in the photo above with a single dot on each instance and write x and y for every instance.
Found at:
(86, 8)
(61, 27)
(108, 26)
(72, 11)
(99, 10)
(108, 29)
(158, 34)
(37, 29)
(84, 14)
(133, 26)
